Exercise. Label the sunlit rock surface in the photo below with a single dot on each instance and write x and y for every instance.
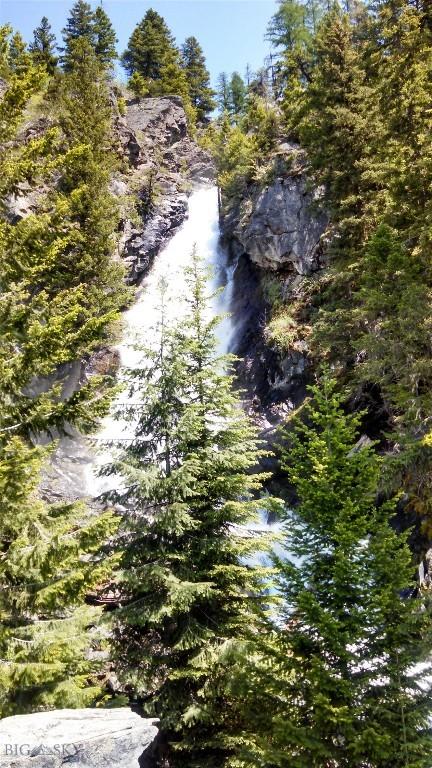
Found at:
(89, 738)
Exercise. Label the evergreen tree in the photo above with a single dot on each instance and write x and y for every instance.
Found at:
(223, 93)
(56, 263)
(51, 558)
(198, 77)
(288, 28)
(43, 46)
(104, 37)
(79, 26)
(237, 90)
(338, 116)
(347, 677)
(18, 59)
(23, 80)
(186, 589)
(150, 47)
(50, 554)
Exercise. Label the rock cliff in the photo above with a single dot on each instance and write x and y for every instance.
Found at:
(162, 164)
(275, 231)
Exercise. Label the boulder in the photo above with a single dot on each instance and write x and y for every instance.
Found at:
(89, 738)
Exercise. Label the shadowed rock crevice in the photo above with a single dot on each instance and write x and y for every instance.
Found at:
(275, 232)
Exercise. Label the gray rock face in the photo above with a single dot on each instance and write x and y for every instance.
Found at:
(164, 162)
(280, 228)
(283, 230)
(89, 738)
(277, 228)
(162, 119)
(267, 377)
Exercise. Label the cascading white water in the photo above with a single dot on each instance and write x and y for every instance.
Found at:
(201, 229)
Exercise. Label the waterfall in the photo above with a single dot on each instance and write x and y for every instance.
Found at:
(201, 229)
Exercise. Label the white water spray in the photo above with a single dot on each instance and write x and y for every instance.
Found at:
(201, 229)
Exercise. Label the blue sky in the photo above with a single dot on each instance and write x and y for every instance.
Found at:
(231, 32)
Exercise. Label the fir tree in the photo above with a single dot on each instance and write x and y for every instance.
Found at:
(51, 558)
(237, 91)
(187, 486)
(150, 47)
(79, 26)
(18, 59)
(56, 263)
(43, 46)
(50, 554)
(23, 80)
(347, 684)
(104, 37)
(338, 115)
(198, 77)
(223, 93)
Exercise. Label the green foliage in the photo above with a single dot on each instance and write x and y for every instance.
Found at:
(51, 558)
(23, 80)
(79, 26)
(139, 85)
(293, 23)
(337, 103)
(104, 37)
(188, 488)
(150, 47)
(262, 120)
(336, 678)
(198, 77)
(94, 28)
(231, 95)
(43, 46)
(366, 132)
(223, 93)
(156, 68)
(236, 153)
(60, 295)
(237, 96)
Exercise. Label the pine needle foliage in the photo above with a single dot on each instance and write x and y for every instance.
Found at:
(50, 554)
(51, 558)
(189, 488)
(349, 685)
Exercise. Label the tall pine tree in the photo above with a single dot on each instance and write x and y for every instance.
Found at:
(51, 554)
(79, 26)
(187, 486)
(104, 37)
(43, 46)
(346, 681)
(198, 77)
(150, 47)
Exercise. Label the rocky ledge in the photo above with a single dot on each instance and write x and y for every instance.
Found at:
(90, 738)
(164, 163)
(279, 223)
